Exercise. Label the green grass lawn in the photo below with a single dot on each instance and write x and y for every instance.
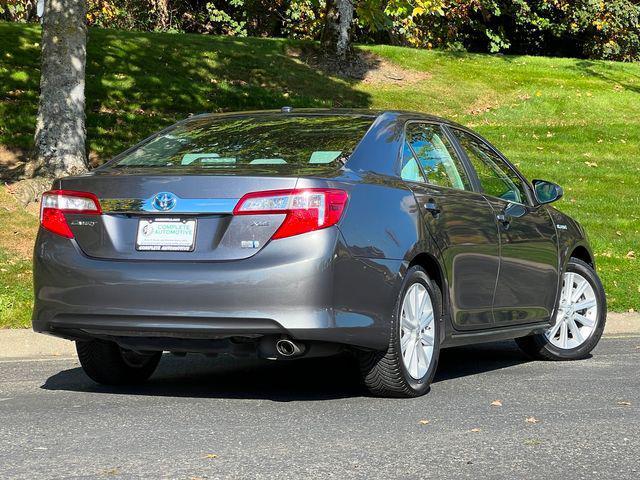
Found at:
(15, 291)
(572, 121)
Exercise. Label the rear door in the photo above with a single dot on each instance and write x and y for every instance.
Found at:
(528, 279)
(461, 222)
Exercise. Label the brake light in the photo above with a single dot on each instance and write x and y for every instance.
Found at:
(307, 209)
(55, 203)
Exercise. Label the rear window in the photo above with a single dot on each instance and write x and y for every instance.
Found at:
(272, 142)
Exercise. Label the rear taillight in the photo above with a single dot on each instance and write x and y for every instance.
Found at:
(306, 209)
(55, 203)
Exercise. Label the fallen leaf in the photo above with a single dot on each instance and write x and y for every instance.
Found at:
(474, 430)
(624, 403)
(619, 233)
(531, 420)
(423, 422)
(210, 455)
(631, 255)
(496, 403)
(591, 164)
(111, 471)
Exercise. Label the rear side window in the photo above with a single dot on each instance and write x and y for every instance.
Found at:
(436, 156)
(264, 142)
(496, 177)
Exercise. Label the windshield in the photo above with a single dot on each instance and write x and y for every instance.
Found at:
(261, 141)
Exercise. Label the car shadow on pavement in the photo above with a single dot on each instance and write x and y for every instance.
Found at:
(305, 379)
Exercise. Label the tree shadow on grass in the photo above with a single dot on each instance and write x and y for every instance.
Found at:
(301, 380)
(595, 70)
(138, 83)
(19, 84)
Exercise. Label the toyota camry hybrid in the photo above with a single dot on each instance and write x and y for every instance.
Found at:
(291, 234)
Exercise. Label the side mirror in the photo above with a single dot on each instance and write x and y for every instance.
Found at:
(547, 192)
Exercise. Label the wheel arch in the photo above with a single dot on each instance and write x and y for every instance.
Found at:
(582, 253)
(436, 272)
(579, 250)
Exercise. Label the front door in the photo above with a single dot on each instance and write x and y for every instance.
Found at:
(460, 221)
(529, 267)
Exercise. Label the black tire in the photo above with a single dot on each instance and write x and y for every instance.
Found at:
(108, 364)
(384, 373)
(538, 346)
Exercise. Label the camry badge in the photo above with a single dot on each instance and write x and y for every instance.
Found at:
(164, 201)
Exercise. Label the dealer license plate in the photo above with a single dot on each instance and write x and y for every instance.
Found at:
(166, 235)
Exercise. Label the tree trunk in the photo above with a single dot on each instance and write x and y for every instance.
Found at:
(60, 126)
(162, 14)
(336, 36)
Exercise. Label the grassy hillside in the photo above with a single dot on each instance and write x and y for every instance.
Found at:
(572, 121)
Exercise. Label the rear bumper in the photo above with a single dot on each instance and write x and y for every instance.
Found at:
(288, 288)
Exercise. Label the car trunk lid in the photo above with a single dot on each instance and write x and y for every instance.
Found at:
(139, 210)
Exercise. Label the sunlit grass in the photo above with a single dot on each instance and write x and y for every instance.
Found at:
(16, 295)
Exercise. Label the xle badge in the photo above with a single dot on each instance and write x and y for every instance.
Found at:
(250, 244)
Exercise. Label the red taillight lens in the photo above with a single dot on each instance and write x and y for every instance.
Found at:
(55, 203)
(307, 210)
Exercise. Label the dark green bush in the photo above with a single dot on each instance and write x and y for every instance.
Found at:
(582, 28)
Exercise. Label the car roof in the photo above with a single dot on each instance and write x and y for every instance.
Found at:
(384, 124)
(400, 115)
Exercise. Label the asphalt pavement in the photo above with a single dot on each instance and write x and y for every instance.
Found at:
(220, 417)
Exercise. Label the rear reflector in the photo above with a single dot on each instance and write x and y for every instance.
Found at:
(307, 210)
(55, 203)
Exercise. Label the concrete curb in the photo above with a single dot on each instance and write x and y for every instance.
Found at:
(24, 343)
(622, 323)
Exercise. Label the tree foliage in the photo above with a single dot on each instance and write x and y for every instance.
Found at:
(585, 28)
(589, 28)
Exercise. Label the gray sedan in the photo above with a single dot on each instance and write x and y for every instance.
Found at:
(305, 233)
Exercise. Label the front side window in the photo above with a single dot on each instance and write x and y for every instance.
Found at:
(496, 177)
(436, 156)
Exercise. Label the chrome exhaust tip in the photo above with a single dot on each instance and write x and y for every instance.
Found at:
(288, 348)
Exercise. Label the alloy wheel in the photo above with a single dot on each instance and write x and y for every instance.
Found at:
(417, 331)
(577, 313)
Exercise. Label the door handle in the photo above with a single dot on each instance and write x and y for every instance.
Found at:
(504, 219)
(432, 207)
